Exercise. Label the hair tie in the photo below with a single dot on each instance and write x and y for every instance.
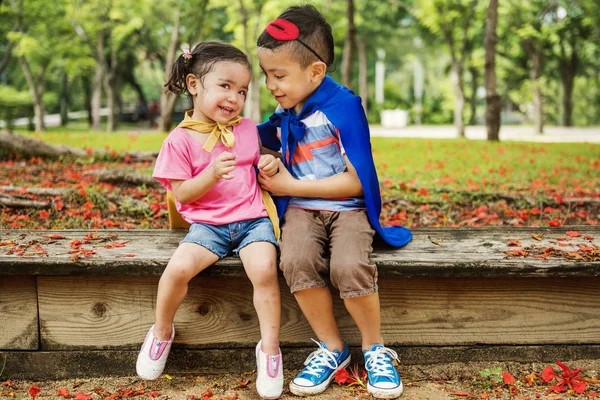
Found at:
(284, 30)
(187, 54)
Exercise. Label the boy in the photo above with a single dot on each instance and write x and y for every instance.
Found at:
(329, 200)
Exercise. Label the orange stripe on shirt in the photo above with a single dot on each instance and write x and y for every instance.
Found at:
(303, 151)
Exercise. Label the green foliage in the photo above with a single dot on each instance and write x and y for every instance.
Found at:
(14, 103)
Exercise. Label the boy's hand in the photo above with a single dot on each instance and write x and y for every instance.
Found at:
(279, 184)
(223, 165)
(267, 164)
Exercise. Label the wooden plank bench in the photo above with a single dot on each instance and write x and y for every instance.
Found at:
(450, 295)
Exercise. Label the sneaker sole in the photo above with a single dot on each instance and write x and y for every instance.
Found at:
(309, 391)
(379, 393)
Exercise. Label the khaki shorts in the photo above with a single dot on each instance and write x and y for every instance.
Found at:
(310, 237)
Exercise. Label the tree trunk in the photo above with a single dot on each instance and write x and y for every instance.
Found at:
(254, 99)
(473, 99)
(568, 69)
(538, 111)
(111, 87)
(349, 44)
(492, 99)
(459, 98)
(98, 77)
(568, 99)
(167, 99)
(36, 87)
(362, 72)
(64, 98)
(87, 96)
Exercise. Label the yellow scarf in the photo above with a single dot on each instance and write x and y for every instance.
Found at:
(217, 131)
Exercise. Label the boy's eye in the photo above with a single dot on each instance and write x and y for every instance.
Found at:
(225, 86)
(243, 93)
(278, 76)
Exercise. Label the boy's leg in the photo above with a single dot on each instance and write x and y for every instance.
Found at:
(356, 278)
(303, 250)
(353, 273)
(366, 313)
(317, 306)
(260, 259)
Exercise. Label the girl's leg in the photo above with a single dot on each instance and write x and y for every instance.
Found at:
(187, 261)
(260, 259)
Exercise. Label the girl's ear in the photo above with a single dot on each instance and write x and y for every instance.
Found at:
(193, 84)
(318, 71)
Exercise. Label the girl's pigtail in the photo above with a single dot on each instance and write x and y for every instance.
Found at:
(180, 69)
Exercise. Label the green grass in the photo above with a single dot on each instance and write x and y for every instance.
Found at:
(129, 137)
(478, 166)
(486, 166)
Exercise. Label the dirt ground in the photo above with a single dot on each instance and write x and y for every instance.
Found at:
(449, 381)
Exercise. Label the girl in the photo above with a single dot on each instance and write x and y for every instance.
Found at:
(208, 162)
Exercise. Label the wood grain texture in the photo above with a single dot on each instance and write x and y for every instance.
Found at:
(459, 253)
(111, 313)
(18, 313)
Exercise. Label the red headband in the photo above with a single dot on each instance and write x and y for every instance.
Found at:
(284, 30)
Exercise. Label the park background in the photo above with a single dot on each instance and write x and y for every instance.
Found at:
(90, 75)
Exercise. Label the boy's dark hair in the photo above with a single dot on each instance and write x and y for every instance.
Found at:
(314, 31)
(200, 61)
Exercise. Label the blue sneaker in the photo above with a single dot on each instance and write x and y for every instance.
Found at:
(321, 366)
(384, 381)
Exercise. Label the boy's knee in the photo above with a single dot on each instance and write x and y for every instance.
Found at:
(350, 276)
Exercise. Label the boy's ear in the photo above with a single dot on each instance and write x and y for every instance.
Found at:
(318, 71)
(193, 84)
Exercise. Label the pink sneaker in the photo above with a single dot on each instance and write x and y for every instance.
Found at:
(153, 356)
(269, 374)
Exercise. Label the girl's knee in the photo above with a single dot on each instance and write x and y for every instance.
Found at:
(262, 272)
(181, 270)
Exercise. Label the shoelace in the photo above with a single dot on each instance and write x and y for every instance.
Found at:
(378, 363)
(318, 359)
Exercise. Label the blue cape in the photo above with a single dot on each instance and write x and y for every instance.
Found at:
(345, 112)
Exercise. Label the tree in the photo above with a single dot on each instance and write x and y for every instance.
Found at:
(41, 30)
(106, 26)
(349, 46)
(457, 22)
(572, 31)
(492, 99)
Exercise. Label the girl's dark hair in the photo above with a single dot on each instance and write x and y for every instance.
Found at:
(313, 30)
(201, 60)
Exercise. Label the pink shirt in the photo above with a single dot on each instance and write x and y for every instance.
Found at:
(181, 157)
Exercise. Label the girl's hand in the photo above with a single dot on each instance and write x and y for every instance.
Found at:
(223, 165)
(267, 164)
(280, 184)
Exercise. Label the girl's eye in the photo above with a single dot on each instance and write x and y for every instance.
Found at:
(278, 76)
(225, 86)
(243, 93)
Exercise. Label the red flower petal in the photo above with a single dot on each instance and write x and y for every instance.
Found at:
(508, 378)
(579, 386)
(548, 374)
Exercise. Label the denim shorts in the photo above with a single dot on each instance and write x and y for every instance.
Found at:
(227, 239)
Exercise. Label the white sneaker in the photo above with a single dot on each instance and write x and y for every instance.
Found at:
(269, 374)
(153, 356)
